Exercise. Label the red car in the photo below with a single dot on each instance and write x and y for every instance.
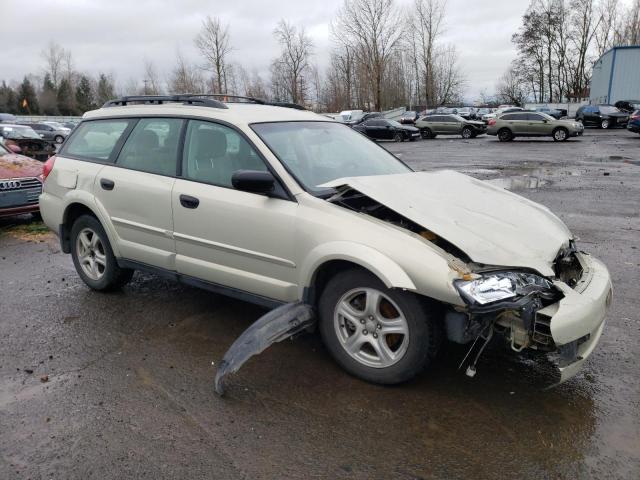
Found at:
(20, 183)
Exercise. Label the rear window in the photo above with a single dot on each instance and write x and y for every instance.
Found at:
(96, 139)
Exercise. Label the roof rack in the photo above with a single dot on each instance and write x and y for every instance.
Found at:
(214, 100)
(186, 99)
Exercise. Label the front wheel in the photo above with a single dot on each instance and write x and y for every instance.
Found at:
(560, 135)
(93, 257)
(467, 133)
(59, 139)
(378, 334)
(398, 137)
(605, 123)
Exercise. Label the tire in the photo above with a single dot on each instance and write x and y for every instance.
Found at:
(398, 137)
(560, 135)
(58, 139)
(426, 133)
(604, 124)
(381, 358)
(412, 139)
(467, 133)
(93, 257)
(505, 135)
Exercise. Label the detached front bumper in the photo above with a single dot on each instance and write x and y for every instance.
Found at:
(577, 321)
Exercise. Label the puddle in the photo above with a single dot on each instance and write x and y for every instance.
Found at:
(518, 183)
(619, 158)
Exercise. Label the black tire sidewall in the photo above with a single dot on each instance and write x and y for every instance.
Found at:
(467, 129)
(112, 276)
(422, 339)
(508, 135)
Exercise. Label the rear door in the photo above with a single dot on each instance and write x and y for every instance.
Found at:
(136, 192)
(225, 236)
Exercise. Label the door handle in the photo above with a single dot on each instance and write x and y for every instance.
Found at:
(107, 184)
(188, 201)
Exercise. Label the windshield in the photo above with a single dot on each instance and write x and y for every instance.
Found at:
(608, 109)
(20, 132)
(319, 152)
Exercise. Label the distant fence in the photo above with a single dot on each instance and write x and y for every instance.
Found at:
(46, 118)
(571, 107)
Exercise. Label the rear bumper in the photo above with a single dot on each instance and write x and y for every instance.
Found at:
(577, 321)
(632, 127)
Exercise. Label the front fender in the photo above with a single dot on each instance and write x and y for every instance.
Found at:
(388, 271)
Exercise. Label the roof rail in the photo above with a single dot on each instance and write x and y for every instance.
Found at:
(233, 99)
(187, 99)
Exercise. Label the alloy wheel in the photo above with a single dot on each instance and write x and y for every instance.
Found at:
(371, 327)
(91, 254)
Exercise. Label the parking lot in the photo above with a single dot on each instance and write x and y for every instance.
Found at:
(122, 384)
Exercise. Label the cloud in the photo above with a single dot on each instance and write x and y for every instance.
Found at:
(117, 36)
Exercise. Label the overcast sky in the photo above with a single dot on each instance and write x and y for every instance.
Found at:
(117, 36)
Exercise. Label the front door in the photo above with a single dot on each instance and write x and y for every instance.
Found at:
(136, 192)
(225, 236)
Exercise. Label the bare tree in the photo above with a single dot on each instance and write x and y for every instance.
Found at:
(608, 14)
(373, 28)
(151, 79)
(214, 45)
(428, 25)
(293, 62)
(54, 57)
(185, 77)
(511, 88)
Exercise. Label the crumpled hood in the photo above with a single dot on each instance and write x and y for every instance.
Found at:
(491, 225)
(16, 166)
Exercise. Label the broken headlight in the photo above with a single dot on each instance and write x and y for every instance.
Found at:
(493, 287)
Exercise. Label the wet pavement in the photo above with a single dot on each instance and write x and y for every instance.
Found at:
(121, 385)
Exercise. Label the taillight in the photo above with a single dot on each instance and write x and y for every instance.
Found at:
(492, 122)
(635, 117)
(48, 166)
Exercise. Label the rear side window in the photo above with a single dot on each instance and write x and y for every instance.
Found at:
(96, 139)
(152, 146)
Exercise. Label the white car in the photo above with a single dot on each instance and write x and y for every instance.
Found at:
(278, 206)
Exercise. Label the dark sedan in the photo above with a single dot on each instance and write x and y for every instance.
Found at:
(634, 122)
(603, 116)
(383, 129)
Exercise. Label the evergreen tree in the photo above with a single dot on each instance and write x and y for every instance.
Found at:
(66, 100)
(105, 90)
(49, 97)
(27, 99)
(8, 103)
(84, 95)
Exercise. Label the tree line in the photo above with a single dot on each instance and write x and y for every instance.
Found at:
(558, 42)
(380, 58)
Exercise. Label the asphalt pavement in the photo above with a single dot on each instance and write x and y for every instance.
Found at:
(120, 385)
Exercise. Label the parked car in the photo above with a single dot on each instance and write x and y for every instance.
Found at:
(603, 116)
(70, 125)
(431, 126)
(279, 206)
(20, 183)
(350, 115)
(384, 129)
(634, 122)
(468, 113)
(54, 133)
(409, 117)
(532, 124)
(500, 111)
(628, 106)
(27, 141)
(7, 118)
(364, 118)
(552, 112)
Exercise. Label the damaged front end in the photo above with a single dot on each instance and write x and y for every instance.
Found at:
(561, 317)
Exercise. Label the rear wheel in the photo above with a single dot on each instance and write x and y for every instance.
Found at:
(59, 139)
(505, 135)
(93, 257)
(467, 132)
(560, 134)
(426, 133)
(378, 334)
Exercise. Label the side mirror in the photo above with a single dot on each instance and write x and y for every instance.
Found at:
(14, 148)
(253, 181)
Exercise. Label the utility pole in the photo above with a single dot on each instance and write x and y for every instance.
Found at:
(146, 86)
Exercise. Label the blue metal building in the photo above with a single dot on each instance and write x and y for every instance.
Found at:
(616, 76)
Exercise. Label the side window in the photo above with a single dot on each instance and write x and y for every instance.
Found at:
(535, 117)
(152, 146)
(95, 139)
(508, 116)
(213, 152)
